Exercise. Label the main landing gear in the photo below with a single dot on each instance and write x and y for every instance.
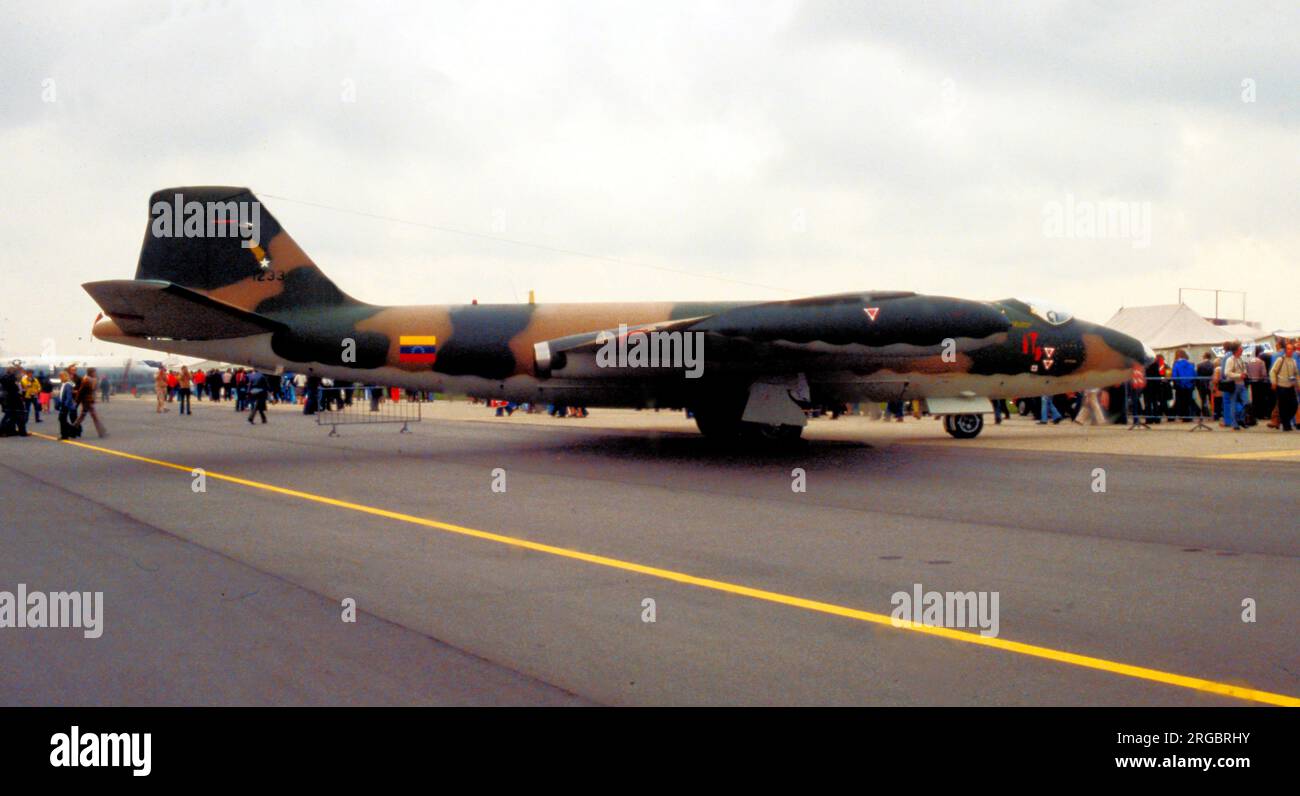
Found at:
(719, 419)
(726, 426)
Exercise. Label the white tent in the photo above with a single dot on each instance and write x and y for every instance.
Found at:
(1165, 327)
(1242, 331)
(1169, 327)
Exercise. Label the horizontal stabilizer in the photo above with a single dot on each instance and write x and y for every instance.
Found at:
(154, 308)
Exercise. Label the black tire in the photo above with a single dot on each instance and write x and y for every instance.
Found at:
(717, 425)
(718, 417)
(718, 409)
(963, 426)
(763, 432)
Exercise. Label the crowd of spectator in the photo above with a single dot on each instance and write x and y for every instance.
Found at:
(24, 394)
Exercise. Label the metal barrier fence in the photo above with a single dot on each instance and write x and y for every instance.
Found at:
(1196, 398)
(363, 406)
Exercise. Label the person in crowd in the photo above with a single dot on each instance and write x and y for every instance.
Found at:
(1274, 421)
(66, 406)
(227, 384)
(1257, 381)
(1205, 375)
(1289, 351)
(85, 396)
(105, 389)
(46, 389)
(326, 400)
(1000, 410)
(1294, 349)
(1048, 412)
(1135, 388)
(184, 386)
(1284, 377)
(31, 390)
(13, 422)
(256, 384)
(1183, 374)
(272, 387)
(1090, 411)
(1216, 389)
(894, 409)
(1073, 405)
(160, 390)
(1232, 383)
(173, 382)
(1113, 398)
(1153, 395)
(311, 395)
(200, 378)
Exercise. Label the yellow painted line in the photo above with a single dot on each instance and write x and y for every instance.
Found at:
(1254, 455)
(1060, 656)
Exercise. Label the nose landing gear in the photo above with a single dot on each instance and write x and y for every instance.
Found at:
(963, 426)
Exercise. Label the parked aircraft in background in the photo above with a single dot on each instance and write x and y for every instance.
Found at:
(122, 373)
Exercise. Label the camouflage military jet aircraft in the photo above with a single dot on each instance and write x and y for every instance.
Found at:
(218, 278)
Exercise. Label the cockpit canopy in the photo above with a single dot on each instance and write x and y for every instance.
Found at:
(1047, 312)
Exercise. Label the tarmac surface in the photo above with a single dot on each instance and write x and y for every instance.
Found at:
(538, 594)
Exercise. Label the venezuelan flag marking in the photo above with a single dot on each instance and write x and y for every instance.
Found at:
(420, 349)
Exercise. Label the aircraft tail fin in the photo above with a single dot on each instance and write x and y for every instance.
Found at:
(223, 243)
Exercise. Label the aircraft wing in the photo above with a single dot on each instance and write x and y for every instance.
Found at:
(155, 308)
(852, 331)
(554, 354)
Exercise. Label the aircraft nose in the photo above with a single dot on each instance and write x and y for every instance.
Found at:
(1133, 349)
(1148, 356)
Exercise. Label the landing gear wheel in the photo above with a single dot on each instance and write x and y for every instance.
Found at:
(723, 424)
(718, 416)
(963, 426)
(764, 432)
(718, 425)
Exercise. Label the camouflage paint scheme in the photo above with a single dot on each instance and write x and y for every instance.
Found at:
(271, 307)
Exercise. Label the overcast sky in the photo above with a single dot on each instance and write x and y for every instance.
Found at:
(768, 150)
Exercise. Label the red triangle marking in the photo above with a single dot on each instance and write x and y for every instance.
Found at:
(1051, 352)
(1047, 363)
(871, 312)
